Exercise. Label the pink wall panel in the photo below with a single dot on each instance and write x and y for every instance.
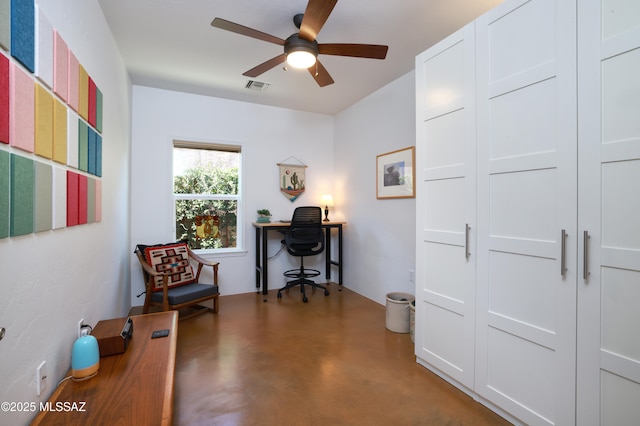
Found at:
(4, 99)
(74, 75)
(21, 109)
(60, 67)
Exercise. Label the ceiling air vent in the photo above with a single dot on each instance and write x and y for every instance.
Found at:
(257, 86)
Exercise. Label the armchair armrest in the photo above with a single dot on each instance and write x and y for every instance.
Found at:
(204, 262)
(201, 259)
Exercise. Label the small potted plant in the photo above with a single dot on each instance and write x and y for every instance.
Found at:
(264, 216)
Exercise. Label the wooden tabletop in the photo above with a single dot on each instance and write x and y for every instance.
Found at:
(133, 388)
(285, 224)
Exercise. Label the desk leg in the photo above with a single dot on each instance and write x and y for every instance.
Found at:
(258, 263)
(340, 255)
(327, 258)
(265, 261)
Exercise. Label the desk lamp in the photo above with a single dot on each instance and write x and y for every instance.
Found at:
(326, 200)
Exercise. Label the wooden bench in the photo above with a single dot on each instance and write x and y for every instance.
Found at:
(134, 388)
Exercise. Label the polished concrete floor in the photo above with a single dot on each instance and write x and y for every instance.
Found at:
(330, 361)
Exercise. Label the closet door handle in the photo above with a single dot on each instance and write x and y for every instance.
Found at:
(563, 254)
(585, 255)
(467, 228)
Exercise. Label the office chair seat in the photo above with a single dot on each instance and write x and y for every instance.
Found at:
(304, 238)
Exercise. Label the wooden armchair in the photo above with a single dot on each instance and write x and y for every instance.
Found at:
(170, 281)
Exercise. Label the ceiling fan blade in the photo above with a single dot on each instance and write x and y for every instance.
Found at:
(373, 51)
(320, 74)
(223, 24)
(315, 16)
(265, 66)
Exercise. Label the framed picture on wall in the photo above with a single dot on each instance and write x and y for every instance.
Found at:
(395, 174)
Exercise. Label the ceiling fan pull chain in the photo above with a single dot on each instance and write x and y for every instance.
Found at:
(316, 68)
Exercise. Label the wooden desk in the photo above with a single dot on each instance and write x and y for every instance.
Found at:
(262, 230)
(133, 388)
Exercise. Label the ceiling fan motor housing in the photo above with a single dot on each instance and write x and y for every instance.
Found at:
(295, 43)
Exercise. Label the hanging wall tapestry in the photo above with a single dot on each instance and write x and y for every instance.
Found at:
(292, 179)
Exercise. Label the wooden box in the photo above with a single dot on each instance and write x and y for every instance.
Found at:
(113, 335)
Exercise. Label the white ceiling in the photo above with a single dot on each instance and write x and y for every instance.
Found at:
(170, 44)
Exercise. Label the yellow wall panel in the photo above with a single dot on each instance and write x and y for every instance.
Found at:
(59, 132)
(43, 122)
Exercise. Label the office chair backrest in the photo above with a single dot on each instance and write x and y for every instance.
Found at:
(305, 236)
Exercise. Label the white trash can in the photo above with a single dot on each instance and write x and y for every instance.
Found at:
(398, 316)
(412, 321)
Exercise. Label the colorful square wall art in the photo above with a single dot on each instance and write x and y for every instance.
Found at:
(72, 138)
(83, 93)
(83, 146)
(44, 49)
(98, 202)
(91, 200)
(21, 109)
(98, 155)
(43, 197)
(98, 110)
(22, 195)
(73, 85)
(82, 199)
(59, 197)
(23, 32)
(5, 186)
(72, 198)
(5, 24)
(4, 98)
(44, 123)
(92, 102)
(60, 67)
(59, 132)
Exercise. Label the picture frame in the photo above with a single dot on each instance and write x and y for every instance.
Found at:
(395, 174)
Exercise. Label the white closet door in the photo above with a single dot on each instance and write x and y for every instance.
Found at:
(526, 287)
(445, 259)
(609, 210)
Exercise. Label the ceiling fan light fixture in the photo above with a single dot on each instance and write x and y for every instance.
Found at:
(301, 59)
(300, 53)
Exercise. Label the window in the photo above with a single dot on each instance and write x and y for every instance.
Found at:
(206, 190)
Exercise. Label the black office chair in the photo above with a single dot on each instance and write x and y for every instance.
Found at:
(304, 238)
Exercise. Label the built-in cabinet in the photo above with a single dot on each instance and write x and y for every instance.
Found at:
(528, 241)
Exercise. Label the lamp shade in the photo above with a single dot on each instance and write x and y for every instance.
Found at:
(326, 200)
(85, 358)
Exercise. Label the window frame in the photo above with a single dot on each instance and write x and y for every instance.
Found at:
(238, 198)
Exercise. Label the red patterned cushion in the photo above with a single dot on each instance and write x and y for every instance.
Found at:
(172, 258)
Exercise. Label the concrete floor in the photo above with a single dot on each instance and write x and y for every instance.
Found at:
(330, 361)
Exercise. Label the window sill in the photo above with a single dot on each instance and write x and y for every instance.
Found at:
(213, 255)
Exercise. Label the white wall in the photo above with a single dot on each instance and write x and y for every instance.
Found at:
(379, 240)
(52, 279)
(268, 136)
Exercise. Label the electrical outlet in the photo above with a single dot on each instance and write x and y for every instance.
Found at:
(80, 324)
(412, 275)
(41, 377)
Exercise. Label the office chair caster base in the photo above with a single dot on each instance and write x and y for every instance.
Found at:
(304, 299)
(326, 292)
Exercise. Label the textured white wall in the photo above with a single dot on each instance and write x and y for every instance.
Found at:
(268, 135)
(52, 279)
(380, 239)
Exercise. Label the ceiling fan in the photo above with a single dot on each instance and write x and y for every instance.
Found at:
(301, 49)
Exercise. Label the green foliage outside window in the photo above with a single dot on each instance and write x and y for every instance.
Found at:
(207, 180)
